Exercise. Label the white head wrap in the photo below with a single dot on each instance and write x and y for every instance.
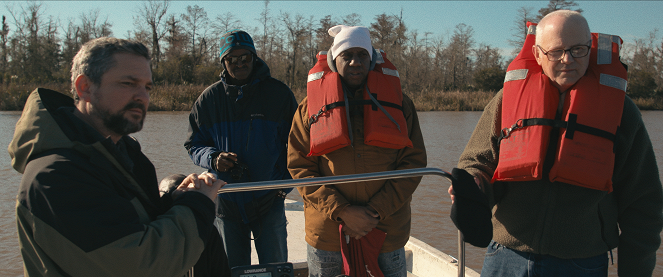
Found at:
(346, 37)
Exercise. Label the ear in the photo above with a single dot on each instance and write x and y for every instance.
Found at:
(83, 84)
(537, 54)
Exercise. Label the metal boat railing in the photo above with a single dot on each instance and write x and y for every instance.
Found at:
(353, 178)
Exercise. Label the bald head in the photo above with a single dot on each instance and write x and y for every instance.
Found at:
(561, 31)
(562, 21)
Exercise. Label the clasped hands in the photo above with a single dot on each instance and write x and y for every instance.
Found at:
(206, 183)
(359, 220)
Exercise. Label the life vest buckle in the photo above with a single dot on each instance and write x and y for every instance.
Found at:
(314, 117)
(506, 132)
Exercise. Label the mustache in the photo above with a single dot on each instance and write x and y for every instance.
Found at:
(133, 105)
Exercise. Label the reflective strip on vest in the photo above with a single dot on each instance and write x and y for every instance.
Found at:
(604, 52)
(531, 30)
(604, 55)
(613, 81)
(514, 75)
(315, 76)
(391, 72)
(379, 59)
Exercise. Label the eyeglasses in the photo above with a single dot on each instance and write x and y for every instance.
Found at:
(577, 51)
(246, 58)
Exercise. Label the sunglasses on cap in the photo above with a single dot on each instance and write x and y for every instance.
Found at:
(246, 58)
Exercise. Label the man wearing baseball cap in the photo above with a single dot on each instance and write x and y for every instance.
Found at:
(355, 119)
(238, 129)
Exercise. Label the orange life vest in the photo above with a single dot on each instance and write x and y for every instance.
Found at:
(384, 123)
(591, 116)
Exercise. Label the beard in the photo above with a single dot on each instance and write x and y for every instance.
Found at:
(117, 123)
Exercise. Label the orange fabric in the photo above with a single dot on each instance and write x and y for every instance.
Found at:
(581, 159)
(330, 131)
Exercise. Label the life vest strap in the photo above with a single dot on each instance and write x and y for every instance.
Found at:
(571, 127)
(330, 106)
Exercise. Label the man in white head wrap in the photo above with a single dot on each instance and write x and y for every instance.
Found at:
(358, 208)
(352, 53)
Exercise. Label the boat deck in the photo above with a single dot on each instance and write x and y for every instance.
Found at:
(422, 259)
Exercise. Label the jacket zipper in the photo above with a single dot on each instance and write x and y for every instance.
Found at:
(248, 137)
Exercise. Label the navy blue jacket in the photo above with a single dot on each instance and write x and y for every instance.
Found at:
(252, 121)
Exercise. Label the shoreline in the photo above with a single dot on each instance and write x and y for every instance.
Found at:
(167, 97)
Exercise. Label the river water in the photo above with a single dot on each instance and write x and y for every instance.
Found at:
(445, 135)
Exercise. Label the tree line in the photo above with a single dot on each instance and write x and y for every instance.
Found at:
(185, 47)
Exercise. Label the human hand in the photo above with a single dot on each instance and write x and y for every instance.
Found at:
(452, 193)
(349, 232)
(224, 161)
(206, 184)
(358, 220)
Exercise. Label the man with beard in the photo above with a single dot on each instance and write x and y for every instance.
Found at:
(88, 203)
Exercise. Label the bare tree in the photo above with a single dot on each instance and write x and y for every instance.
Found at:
(196, 22)
(519, 28)
(4, 33)
(264, 21)
(555, 5)
(486, 56)
(459, 67)
(226, 22)
(323, 39)
(152, 13)
(298, 30)
(175, 37)
(352, 19)
(388, 34)
(90, 29)
(644, 71)
(34, 47)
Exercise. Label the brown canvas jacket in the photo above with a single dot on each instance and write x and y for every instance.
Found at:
(390, 198)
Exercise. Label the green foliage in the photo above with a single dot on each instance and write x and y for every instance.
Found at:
(641, 83)
(489, 79)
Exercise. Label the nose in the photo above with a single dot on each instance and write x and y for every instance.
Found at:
(566, 57)
(142, 95)
(355, 61)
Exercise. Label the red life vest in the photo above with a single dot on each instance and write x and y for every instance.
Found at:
(591, 116)
(328, 114)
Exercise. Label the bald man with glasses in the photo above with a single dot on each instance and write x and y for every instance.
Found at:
(565, 161)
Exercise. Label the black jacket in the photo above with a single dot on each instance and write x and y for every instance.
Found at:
(89, 207)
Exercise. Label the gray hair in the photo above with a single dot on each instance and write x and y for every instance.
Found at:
(96, 57)
(573, 16)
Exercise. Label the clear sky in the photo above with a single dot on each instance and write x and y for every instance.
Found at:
(492, 21)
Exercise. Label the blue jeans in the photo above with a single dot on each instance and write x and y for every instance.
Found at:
(323, 263)
(269, 232)
(502, 261)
